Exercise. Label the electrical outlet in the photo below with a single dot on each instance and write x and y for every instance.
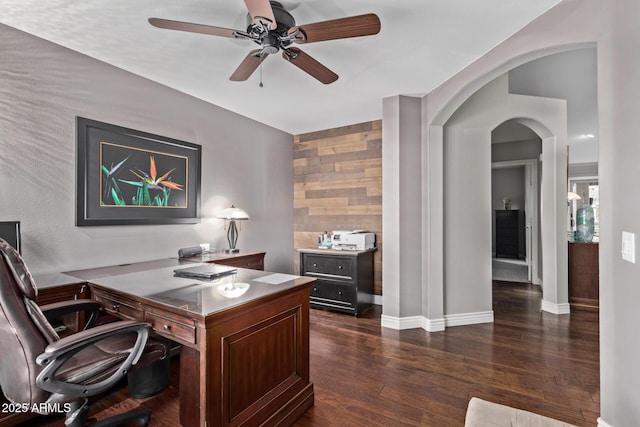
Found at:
(205, 247)
(629, 247)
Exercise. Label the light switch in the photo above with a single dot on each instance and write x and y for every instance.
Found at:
(629, 247)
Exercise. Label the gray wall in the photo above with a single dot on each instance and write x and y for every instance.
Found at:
(467, 195)
(611, 25)
(619, 175)
(43, 87)
(516, 150)
(507, 182)
(401, 136)
(568, 75)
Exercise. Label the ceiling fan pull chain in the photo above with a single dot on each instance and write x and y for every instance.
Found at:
(261, 85)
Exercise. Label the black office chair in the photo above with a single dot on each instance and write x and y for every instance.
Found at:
(44, 371)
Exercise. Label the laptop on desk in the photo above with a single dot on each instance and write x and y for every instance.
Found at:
(205, 272)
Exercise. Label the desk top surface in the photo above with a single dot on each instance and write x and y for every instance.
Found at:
(155, 281)
(201, 297)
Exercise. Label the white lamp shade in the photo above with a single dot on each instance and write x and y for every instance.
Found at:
(233, 213)
(573, 196)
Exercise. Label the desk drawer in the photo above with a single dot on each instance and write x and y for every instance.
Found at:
(163, 324)
(118, 306)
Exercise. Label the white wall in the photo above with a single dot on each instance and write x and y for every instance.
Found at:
(43, 87)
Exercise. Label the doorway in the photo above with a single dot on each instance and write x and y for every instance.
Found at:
(516, 180)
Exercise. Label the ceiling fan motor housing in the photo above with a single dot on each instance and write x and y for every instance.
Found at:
(271, 40)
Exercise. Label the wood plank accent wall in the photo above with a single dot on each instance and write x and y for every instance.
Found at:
(337, 175)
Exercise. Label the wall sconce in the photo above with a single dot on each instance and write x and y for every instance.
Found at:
(232, 215)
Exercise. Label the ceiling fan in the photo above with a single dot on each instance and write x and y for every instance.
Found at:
(273, 28)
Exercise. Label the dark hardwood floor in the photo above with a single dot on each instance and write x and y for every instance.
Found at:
(366, 375)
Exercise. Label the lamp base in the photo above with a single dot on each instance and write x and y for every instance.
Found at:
(231, 251)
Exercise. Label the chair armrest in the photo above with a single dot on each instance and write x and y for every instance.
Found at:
(54, 310)
(58, 353)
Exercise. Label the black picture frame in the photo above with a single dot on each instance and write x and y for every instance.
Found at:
(129, 177)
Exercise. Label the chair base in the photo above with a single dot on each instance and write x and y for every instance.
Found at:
(78, 415)
(139, 416)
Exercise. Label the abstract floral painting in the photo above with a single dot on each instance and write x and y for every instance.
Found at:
(127, 176)
(134, 177)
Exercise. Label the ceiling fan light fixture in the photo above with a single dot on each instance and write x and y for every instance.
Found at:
(270, 44)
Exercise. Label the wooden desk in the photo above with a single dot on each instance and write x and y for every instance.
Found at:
(244, 361)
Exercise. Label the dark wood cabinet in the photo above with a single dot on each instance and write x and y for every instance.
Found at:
(584, 272)
(507, 233)
(344, 279)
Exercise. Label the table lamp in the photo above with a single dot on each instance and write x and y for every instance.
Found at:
(232, 215)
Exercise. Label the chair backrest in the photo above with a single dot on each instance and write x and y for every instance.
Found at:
(24, 331)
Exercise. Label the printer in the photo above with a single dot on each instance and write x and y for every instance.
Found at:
(356, 240)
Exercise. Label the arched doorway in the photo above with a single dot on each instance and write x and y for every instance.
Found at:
(466, 201)
(438, 293)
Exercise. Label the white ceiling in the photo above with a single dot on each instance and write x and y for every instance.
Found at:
(421, 44)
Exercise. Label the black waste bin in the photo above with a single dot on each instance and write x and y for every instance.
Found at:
(149, 380)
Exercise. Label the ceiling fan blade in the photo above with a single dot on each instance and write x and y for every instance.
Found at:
(248, 66)
(261, 9)
(354, 26)
(309, 65)
(192, 28)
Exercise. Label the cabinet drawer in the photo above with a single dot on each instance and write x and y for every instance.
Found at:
(332, 294)
(329, 267)
(164, 325)
(120, 307)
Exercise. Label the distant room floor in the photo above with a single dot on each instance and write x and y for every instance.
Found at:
(510, 270)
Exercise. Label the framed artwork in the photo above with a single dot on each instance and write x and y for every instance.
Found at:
(127, 177)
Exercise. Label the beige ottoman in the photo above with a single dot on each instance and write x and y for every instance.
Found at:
(481, 413)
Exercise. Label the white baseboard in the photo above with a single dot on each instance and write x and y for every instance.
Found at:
(412, 322)
(433, 325)
(603, 423)
(401, 323)
(436, 325)
(564, 308)
(468, 318)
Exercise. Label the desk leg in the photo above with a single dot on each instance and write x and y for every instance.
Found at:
(192, 394)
